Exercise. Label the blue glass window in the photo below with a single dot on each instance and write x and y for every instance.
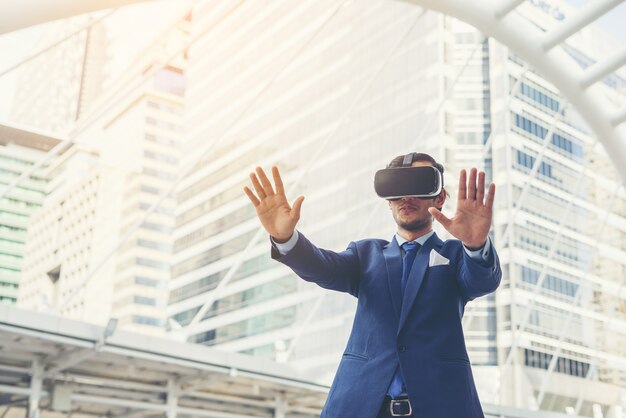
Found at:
(559, 140)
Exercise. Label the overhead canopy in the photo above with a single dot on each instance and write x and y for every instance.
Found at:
(76, 367)
(51, 364)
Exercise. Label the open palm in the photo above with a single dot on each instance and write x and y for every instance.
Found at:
(472, 220)
(276, 215)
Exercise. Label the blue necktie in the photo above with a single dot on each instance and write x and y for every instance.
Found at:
(410, 250)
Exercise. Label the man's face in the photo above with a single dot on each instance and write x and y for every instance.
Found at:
(411, 213)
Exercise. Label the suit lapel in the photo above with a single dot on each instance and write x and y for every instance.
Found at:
(393, 260)
(416, 276)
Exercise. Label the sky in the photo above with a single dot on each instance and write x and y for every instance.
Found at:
(128, 38)
(612, 22)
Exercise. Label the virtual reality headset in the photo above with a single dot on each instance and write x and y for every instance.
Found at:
(406, 181)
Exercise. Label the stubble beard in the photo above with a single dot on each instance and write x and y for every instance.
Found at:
(415, 225)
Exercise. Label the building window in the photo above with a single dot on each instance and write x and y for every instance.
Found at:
(142, 300)
(563, 365)
(560, 142)
(146, 320)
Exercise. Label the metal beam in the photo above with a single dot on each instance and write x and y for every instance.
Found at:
(77, 356)
(221, 398)
(124, 403)
(12, 390)
(68, 360)
(603, 68)
(506, 6)
(148, 406)
(13, 369)
(587, 14)
(24, 13)
(619, 117)
(556, 66)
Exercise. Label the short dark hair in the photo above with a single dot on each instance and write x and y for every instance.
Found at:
(417, 156)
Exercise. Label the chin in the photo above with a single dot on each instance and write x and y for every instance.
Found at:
(415, 225)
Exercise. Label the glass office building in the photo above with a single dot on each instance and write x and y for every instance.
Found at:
(20, 150)
(99, 196)
(59, 84)
(560, 229)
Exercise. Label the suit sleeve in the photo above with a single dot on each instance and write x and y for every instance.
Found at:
(331, 270)
(477, 277)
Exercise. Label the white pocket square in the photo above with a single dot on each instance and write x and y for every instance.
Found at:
(437, 259)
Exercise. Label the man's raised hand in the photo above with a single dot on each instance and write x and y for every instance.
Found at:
(472, 219)
(277, 217)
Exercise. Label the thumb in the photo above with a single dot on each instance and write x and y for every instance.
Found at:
(296, 206)
(440, 217)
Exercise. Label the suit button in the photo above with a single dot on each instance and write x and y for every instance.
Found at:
(402, 348)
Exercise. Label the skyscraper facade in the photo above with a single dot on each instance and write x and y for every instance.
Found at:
(100, 247)
(560, 229)
(20, 150)
(97, 249)
(60, 82)
(330, 100)
(330, 92)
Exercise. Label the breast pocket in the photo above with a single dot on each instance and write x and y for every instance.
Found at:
(440, 283)
(354, 356)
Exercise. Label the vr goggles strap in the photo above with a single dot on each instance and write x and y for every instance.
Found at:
(408, 160)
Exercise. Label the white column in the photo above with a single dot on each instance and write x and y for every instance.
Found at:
(173, 391)
(281, 406)
(35, 389)
(616, 411)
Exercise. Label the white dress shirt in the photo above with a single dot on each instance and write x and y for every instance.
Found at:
(481, 254)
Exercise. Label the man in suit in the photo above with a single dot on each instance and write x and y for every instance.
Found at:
(406, 354)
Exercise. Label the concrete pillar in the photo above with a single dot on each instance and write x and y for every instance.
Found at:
(281, 406)
(35, 389)
(173, 391)
(616, 411)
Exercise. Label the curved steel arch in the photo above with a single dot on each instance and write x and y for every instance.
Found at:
(25, 13)
(493, 18)
(538, 48)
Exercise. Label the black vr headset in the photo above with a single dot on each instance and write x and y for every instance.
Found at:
(406, 181)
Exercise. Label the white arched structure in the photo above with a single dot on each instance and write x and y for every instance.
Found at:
(492, 17)
(21, 14)
(541, 50)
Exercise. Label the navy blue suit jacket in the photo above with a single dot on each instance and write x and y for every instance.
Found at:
(421, 331)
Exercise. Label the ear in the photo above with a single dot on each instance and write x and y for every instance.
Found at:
(441, 199)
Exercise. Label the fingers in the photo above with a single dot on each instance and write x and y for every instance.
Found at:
(473, 188)
(480, 188)
(490, 196)
(267, 186)
(263, 186)
(462, 185)
(440, 217)
(257, 186)
(471, 185)
(256, 202)
(295, 207)
(278, 182)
